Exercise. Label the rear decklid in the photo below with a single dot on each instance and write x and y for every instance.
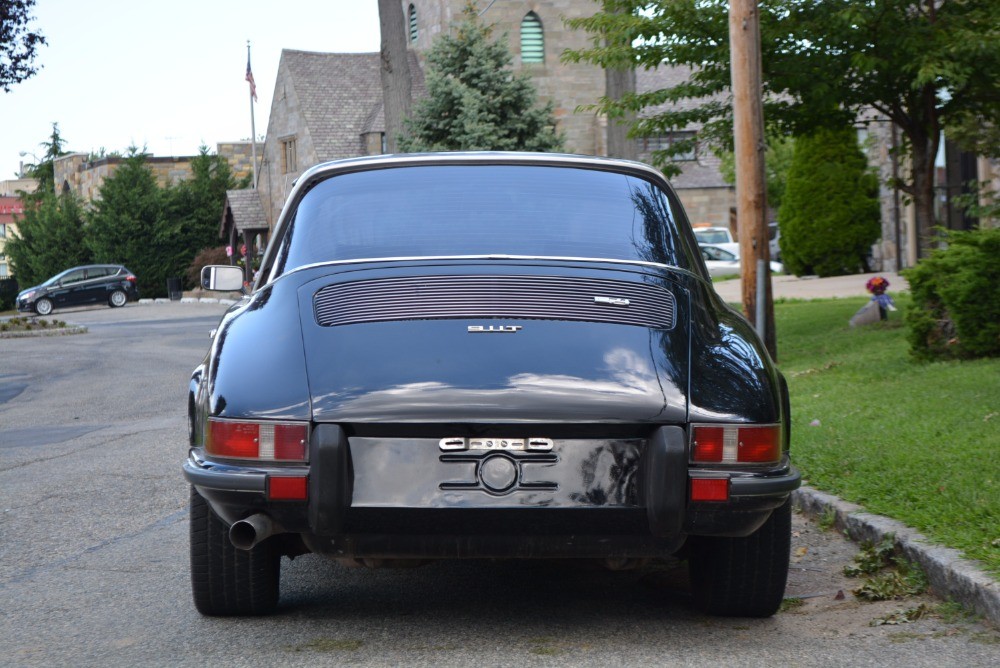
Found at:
(477, 343)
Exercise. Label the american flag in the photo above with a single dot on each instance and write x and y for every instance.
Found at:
(249, 77)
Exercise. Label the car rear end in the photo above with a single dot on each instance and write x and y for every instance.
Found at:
(495, 357)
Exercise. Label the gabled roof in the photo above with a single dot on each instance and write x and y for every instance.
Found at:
(340, 97)
(244, 210)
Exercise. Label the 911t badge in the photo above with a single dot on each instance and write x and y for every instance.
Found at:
(494, 329)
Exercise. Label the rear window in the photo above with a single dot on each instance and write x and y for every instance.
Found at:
(448, 210)
(712, 236)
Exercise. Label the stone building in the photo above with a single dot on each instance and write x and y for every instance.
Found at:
(78, 173)
(328, 106)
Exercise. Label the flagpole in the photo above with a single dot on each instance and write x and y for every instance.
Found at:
(253, 126)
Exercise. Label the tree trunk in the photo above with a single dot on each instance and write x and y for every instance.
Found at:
(618, 83)
(751, 188)
(395, 71)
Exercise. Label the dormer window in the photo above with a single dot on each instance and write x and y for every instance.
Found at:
(532, 39)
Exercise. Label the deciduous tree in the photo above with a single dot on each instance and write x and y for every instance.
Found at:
(920, 63)
(19, 42)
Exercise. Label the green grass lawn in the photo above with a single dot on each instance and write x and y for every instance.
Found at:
(914, 441)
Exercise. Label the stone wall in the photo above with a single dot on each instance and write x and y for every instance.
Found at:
(708, 205)
(239, 155)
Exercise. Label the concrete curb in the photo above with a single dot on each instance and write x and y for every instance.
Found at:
(188, 300)
(951, 576)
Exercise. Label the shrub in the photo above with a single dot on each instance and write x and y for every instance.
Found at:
(8, 293)
(205, 256)
(829, 216)
(956, 298)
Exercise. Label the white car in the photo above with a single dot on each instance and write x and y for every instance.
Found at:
(719, 237)
(722, 262)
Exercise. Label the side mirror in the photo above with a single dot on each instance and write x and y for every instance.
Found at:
(222, 277)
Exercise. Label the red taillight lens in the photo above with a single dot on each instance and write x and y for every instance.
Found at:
(287, 488)
(271, 441)
(130, 278)
(736, 444)
(709, 489)
(706, 444)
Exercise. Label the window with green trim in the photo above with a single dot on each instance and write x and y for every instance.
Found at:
(532, 39)
(413, 23)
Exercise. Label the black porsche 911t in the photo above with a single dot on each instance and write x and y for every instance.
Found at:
(486, 355)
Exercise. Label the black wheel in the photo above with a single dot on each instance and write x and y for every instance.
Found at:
(743, 577)
(117, 298)
(225, 580)
(43, 306)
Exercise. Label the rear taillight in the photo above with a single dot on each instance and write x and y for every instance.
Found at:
(269, 441)
(130, 278)
(736, 444)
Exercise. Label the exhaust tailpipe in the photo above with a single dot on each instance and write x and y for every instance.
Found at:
(247, 533)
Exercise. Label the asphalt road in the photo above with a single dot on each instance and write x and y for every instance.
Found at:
(94, 572)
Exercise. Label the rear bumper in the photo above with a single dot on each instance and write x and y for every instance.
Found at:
(390, 498)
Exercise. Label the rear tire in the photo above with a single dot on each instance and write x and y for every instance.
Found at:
(225, 580)
(43, 306)
(743, 577)
(117, 299)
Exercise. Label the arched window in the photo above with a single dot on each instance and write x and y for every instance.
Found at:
(413, 23)
(532, 39)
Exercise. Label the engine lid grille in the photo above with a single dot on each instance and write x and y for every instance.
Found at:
(517, 297)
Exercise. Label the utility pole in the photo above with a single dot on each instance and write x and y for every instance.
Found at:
(751, 190)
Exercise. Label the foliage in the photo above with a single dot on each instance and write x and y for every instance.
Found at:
(8, 293)
(777, 161)
(981, 201)
(921, 64)
(897, 437)
(829, 217)
(18, 42)
(30, 323)
(194, 210)
(44, 171)
(475, 101)
(128, 224)
(903, 616)
(900, 580)
(956, 298)
(872, 558)
(49, 238)
(206, 256)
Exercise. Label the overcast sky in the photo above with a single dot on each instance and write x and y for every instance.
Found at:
(167, 75)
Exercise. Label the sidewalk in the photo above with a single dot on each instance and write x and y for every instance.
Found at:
(792, 287)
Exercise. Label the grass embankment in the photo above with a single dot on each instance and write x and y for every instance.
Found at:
(916, 442)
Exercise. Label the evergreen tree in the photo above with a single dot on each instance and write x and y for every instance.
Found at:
(475, 102)
(829, 216)
(49, 238)
(194, 209)
(44, 171)
(127, 225)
